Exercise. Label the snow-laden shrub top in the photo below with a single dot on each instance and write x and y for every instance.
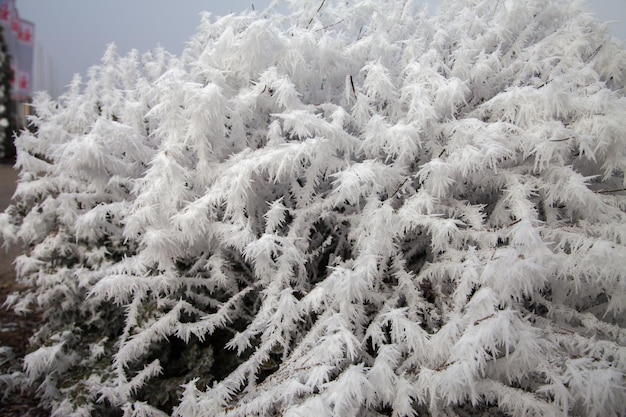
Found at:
(355, 210)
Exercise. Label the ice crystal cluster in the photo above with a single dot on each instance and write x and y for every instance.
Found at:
(355, 209)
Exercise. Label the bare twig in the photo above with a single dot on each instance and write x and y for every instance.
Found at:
(444, 366)
(316, 12)
(619, 190)
(329, 26)
(515, 222)
(398, 189)
(595, 52)
(442, 152)
(477, 322)
(561, 140)
(359, 35)
(320, 8)
(352, 84)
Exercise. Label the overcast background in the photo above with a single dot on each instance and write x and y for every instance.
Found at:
(73, 34)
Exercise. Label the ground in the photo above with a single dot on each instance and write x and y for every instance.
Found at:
(14, 330)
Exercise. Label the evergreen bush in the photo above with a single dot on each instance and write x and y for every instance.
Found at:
(7, 105)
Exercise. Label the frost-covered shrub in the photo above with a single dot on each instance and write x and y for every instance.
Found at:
(357, 209)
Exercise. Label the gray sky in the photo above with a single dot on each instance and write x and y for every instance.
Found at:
(74, 33)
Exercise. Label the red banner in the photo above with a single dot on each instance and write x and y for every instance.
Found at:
(19, 37)
(25, 34)
(7, 9)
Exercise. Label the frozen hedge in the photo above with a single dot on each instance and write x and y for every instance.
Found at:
(357, 209)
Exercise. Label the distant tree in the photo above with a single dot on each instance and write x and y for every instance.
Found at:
(7, 105)
(355, 210)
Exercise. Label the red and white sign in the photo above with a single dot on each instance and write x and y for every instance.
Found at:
(19, 36)
(13, 71)
(15, 23)
(25, 34)
(24, 79)
(5, 12)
